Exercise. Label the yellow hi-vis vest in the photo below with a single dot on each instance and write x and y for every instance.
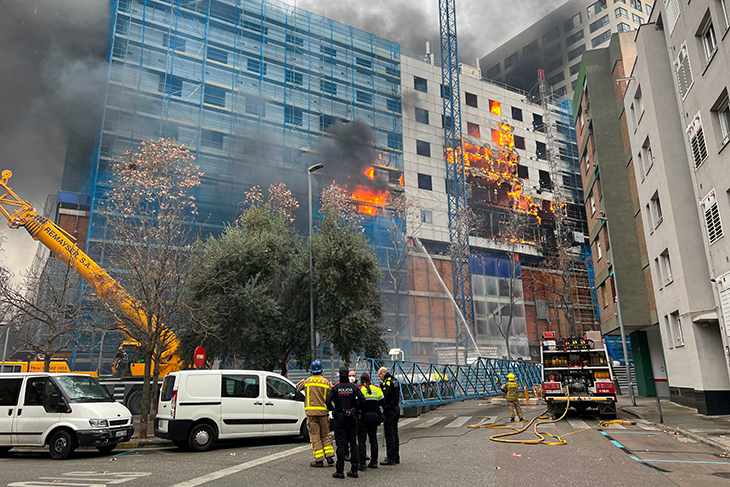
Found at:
(316, 388)
(512, 390)
(376, 393)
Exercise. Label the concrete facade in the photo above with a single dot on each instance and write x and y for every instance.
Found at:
(555, 43)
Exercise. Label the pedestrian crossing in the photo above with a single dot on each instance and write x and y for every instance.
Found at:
(428, 421)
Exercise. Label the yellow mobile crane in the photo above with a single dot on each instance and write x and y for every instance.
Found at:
(107, 289)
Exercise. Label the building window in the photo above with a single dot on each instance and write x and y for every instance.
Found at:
(293, 42)
(677, 334)
(255, 66)
(364, 97)
(601, 38)
(599, 250)
(426, 215)
(593, 204)
(424, 182)
(328, 51)
(648, 155)
(683, 71)
(635, 4)
(471, 99)
(365, 63)
(541, 150)
(393, 105)
(447, 91)
(519, 142)
(637, 19)
(294, 77)
(395, 141)
(666, 266)
(574, 69)
(422, 116)
(326, 121)
(553, 50)
(494, 71)
(420, 84)
(656, 210)
(722, 7)
(712, 218)
(545, 182)
(215, 95)
(594, 26)
(722, 114)
(572, 39)
(537, 124)
(531, 48)
(554, 64)
(623, 27)
(622, 12)
(172, 41)
(293, 115)
(516, 114)
(556, 79)
(472, 129)
(572, 22)
(709, 41)
(445, 122)
(576, 52)
(697, 141)
(328, 87)
(423, 148)
(648, 11)
(550, 36)
(495, 107)
(218, 55)
(596, 8)
(523, 172)
(211, 138)
(511, 61)
(171, 83)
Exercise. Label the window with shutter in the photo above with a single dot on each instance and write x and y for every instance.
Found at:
(672, 9)
(712, 217)
(697, 141)
(683, 71)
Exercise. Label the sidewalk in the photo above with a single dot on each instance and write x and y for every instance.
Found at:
(151, 440)
(713, 431)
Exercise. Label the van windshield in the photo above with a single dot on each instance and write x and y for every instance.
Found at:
(83, 389)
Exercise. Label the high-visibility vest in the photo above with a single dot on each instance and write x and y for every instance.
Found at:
(512, 390)
(316, 388)
(375, 394)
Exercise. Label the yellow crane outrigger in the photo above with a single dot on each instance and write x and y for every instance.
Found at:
(107, 289)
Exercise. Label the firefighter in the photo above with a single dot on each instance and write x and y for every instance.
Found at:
(391, 413)
(345, 399)
(510, 388)
(370, 419)
(318, 420)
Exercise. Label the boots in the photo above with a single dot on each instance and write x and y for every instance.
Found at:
(352, 473)
(338, 475)
(330, 461)
(319, 464)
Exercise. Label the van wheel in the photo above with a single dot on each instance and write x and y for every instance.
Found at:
(134, 403)
(106, 449)
(61, 445)
(201, 437)
(304, 431)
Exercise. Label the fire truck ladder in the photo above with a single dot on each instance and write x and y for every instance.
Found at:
(455, 175)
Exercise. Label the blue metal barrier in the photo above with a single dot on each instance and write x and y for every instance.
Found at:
(424, 384)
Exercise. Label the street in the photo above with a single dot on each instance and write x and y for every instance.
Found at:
(437, 448)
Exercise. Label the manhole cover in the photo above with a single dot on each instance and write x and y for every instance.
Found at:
(723, 475)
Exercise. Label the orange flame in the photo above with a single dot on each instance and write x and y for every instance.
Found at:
(370, 172)
(366, 195)
(367, 210)
(400, 180)
(495, 107)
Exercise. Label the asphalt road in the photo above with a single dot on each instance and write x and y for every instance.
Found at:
(437, 448)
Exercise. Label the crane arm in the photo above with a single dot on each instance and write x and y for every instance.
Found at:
(63, 246)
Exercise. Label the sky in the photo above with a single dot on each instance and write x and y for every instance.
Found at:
(52, 53)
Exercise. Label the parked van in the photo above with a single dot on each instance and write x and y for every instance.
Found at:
(61, 411)
(198, 407)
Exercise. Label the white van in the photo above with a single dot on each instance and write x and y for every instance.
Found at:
(198, 407)
(62, 411)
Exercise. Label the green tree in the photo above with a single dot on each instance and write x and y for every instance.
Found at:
(348, 308)
(248, 290)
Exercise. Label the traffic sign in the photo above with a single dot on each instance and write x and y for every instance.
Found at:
(199, 357)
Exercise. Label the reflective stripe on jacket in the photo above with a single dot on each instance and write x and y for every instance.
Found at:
(316, 388)
(511, 389)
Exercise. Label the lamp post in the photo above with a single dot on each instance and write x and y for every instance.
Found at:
(5, 347)
(618, 312)
(312, 338)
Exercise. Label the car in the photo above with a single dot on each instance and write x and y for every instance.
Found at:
(199, 407)
(60, 411)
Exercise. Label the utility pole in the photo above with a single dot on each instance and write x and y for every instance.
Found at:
(312, 337)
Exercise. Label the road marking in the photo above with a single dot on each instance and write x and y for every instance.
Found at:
(431, 422)
(680, 461)
(617, 443)
(578, 424)
(89, 479)
(406, 422)
(241, 467)
(458, 422)
(629, 433)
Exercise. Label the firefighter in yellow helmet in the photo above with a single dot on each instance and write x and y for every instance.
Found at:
(513, 401)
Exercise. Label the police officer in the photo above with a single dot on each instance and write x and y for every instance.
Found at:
(318, 419)
(391, 412)
(370, 419)
(344, 399)
(513, 401)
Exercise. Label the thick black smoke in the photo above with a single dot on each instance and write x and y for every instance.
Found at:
(347, 152)
(53, 72)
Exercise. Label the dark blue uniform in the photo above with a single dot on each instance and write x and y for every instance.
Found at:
(391, 413)
(345, 399)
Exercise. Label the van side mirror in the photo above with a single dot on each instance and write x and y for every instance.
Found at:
(300, 396)
(58, 405)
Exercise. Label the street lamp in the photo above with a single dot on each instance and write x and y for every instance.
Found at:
(5, 347)
(618, 312)
(312, 338)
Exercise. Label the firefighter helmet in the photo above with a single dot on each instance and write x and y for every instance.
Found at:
(316, 367)
(510, 377)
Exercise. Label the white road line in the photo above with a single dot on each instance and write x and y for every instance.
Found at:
(458, 422)
(577, 424)
(241, 467)
(406, 422)
(431, 422)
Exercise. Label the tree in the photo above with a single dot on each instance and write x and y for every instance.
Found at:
(249, 287)
(404, 221)
(150, 219)
(348, 308)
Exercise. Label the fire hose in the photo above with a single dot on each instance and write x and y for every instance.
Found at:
(541, 436)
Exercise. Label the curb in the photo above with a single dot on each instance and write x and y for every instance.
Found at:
(689, 434)
(144, 442)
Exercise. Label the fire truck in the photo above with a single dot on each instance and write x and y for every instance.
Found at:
(127, 387)
(577, 373)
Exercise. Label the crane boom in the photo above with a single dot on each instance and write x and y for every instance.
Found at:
(63, 246)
